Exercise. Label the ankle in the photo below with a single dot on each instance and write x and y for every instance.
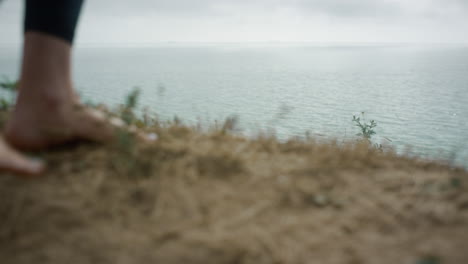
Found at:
(46, 72)
(44, 98)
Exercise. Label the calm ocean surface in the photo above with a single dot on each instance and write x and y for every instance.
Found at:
(417, 95)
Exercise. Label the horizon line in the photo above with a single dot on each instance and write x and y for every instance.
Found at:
(312, 43)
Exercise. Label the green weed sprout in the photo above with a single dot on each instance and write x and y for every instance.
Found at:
(131, 102)
(8, 84)
(132, 98)
(366, 129)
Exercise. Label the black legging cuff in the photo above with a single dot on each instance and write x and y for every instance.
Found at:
(54, 17)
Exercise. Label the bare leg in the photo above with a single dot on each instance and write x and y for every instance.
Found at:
(47, 111)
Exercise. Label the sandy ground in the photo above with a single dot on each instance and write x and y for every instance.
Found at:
(194, 197)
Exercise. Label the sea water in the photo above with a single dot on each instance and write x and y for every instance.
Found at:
(418, 95)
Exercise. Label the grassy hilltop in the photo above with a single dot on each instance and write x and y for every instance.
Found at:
(204, 197)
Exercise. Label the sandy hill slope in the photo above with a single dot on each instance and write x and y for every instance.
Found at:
(213, 197)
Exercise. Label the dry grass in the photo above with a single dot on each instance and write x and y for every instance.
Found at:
(194, 197)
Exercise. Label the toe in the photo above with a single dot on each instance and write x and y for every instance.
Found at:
(94, 125)
(11, 160)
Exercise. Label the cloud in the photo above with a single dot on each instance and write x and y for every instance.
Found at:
(262, 20)
(346, 8)
(349, 8)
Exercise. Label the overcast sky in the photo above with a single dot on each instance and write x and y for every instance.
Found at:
(321, 21)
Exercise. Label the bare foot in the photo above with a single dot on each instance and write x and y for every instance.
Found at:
(35, 127)
(12, 161)
(47, 111)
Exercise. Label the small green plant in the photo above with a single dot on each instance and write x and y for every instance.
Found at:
(4, 104)
(366, 128)
(131, 102)
(126, 155)
(132, 98)
(8, 84)
(230, 124)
